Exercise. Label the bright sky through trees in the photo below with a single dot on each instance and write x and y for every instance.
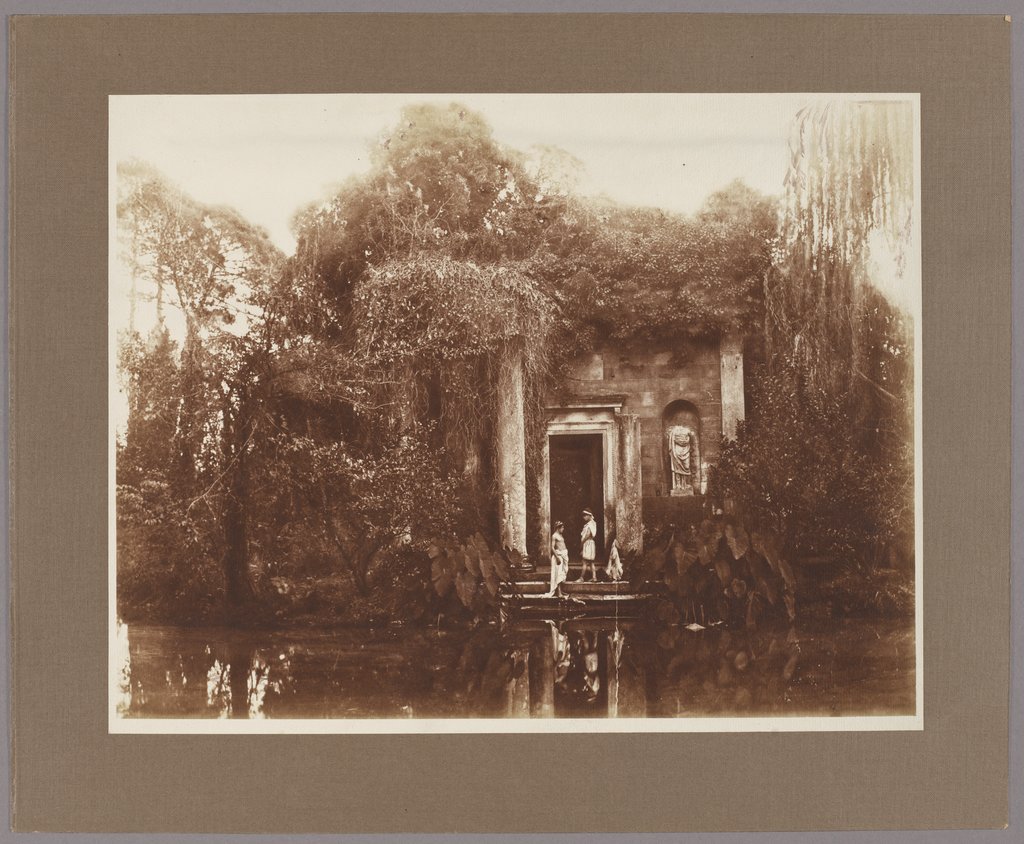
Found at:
(268, 155)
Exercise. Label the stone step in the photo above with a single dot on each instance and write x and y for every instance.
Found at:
(539, 587)
(624, 605)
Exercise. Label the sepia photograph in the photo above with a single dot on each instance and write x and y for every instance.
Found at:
(515, 413)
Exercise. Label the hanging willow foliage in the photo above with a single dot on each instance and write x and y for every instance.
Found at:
(850, 179)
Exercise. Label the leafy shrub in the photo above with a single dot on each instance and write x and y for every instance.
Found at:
(869, 592)
(797, 468)
(718, 572)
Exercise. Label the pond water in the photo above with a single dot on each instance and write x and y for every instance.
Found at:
(585, 668)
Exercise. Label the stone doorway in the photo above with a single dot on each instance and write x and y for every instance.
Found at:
(577, 483)
(587, 437)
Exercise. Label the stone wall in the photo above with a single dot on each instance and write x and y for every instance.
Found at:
(648, 380)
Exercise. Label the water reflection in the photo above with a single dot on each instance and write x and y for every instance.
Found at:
(583, 674)
(121, 671)
(582, 668)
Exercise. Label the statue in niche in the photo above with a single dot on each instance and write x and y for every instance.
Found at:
(683, 459)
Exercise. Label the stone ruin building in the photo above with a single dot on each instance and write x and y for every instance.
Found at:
(631, 434)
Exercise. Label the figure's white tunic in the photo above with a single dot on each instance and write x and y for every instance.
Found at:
(587, 537)
(559, 567)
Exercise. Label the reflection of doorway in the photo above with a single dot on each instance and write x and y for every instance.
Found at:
(581, 684)
(577, 484)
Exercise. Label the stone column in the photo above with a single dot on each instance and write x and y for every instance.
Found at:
(731, 357)
(628, 507)
(544, 497)
(510, 436)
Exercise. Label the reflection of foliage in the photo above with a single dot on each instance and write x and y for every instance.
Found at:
(655, 670)
(486, 668)
(475, 676)
(727, 672)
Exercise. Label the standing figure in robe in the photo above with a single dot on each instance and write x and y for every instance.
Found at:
(559, 559)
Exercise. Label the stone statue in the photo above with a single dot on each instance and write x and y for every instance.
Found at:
(681, 452)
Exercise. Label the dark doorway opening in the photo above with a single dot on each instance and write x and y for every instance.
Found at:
(577, 484)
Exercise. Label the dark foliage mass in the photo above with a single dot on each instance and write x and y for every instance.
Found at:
(316, 447)
(646, 275)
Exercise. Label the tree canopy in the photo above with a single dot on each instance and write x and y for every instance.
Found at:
(442, 186)
(652, 276)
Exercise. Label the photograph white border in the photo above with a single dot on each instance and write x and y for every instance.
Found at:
(118, 724)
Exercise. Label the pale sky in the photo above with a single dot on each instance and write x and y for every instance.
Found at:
(268, 155)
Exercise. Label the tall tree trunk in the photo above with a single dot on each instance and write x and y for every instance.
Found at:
(238, 581)
(159, 297)
(192, 391)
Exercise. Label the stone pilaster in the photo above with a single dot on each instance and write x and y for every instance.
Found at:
(629, 507)
(510, 442)
(544, 497)
(731, 358)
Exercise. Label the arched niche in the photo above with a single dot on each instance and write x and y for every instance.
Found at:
(681, 444)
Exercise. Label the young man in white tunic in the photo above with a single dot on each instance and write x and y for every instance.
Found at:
(588, 538)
